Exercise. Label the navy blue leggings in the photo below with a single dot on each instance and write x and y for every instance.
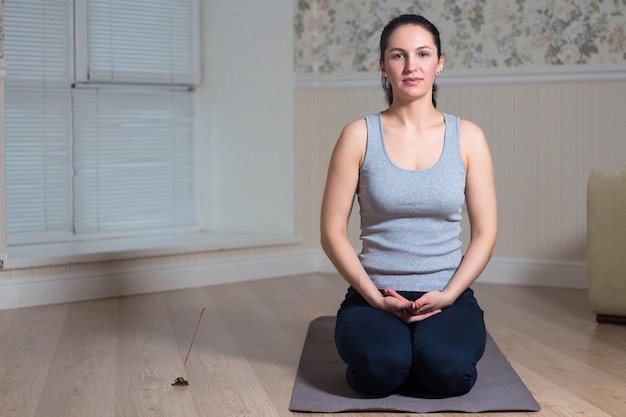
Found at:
(436, 356)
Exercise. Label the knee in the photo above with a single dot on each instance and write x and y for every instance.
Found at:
(447, 378)
(379, 373)
(455, 379)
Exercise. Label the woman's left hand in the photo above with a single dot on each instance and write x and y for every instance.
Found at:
(432, 300)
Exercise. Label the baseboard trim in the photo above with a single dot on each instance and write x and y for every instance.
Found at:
(535, 273)
(63, 288)
(30, 292)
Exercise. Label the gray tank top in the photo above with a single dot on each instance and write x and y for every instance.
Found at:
(411, 220)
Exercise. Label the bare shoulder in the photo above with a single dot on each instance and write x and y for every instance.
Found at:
(471, 132)
(353, 140)
(355, 131)
(473, 142)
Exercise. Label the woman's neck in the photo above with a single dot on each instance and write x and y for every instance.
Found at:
(415, 114)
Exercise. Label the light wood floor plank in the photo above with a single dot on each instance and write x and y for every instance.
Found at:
(78, 383)
(269, 348)
(119, 357)
(575, 339)
(291, 306)
(558, 399)
(581, 381)
(5, 321)
(145, 368)
(594, 349)
(25, 356)
(221, 379)
(557, 345)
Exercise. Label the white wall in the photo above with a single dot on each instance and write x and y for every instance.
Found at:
(245, 113)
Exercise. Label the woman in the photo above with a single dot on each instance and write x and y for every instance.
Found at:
(409, 319)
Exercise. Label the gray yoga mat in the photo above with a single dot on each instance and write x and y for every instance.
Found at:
(320, 384)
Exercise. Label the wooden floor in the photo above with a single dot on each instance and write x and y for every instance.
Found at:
(119, 357)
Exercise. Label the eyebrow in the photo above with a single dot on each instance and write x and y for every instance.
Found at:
(417, 49)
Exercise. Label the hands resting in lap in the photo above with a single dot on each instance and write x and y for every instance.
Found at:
(426, 306)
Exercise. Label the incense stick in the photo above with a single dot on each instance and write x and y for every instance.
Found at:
(180, 381)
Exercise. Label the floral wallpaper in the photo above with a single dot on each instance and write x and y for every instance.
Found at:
(339, 36)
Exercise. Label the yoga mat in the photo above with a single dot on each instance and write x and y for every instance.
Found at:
(321, 387)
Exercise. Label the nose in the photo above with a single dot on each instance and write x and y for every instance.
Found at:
(410, 63)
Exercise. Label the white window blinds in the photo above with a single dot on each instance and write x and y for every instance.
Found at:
(136, 41)
(37, 118)
(133, 160)
(116, 154)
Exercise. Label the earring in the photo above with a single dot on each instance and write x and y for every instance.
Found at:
(386, 82)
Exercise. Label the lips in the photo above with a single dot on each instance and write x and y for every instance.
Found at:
(412, 81)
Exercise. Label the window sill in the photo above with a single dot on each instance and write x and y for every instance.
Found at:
(50, 254)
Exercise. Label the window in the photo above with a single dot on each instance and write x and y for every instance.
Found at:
(99, 120)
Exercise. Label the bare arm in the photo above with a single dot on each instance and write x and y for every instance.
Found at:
(341, 184)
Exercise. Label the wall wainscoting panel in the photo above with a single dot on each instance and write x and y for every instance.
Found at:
(522, 272)
(545, 140)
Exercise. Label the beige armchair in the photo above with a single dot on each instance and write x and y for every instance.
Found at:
(606, 244)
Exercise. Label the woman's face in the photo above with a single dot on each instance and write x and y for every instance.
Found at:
(411, 62)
